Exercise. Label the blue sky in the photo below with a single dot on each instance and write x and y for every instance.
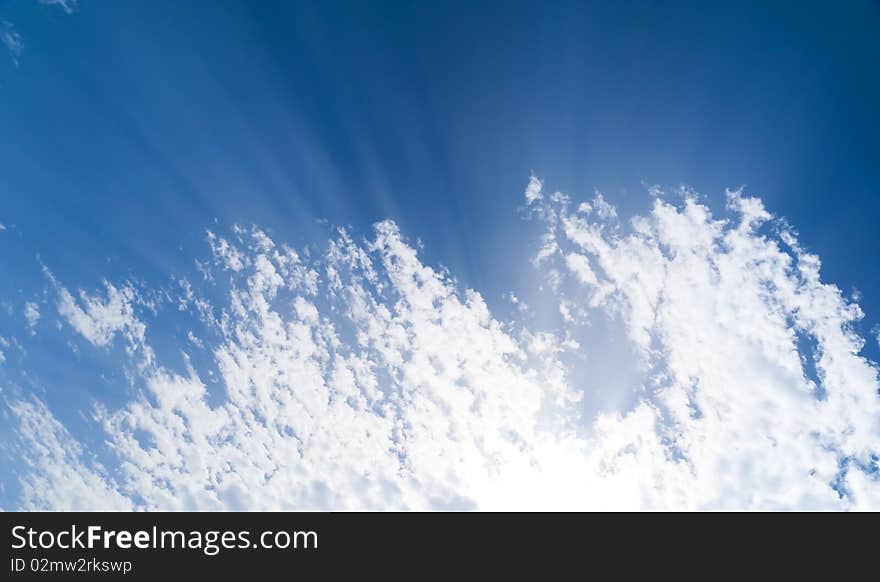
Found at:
(129, 128)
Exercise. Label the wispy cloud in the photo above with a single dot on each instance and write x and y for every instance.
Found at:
(67, 5)
(99, 319)
(31, 315)
(721, 314)
(11, 40)
(360, 377)
(10, 37)
(60, 473)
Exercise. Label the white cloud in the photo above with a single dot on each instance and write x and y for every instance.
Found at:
(605, 210)
(363, 378)
(99, 319)
(12, 41)
(534, 190)
(59, 477)
(67, 5)
(191, 337)
(412, 396)
(716, 309)
(31, 314)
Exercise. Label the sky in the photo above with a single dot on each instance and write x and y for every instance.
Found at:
(457, 255)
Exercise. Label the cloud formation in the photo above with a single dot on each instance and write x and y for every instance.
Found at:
(728, 316)
(31, 315)
(360, 377)
(12, 41)
(67, 5)
(11, 38)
